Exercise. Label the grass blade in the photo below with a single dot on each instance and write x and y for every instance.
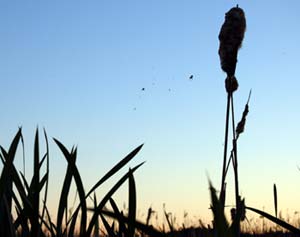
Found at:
(22, 220)
(47, 174)
(50, 226)
(71, 158)
(132, 205)
(116, 168)
(73, 224)
(63, 200)
(6, 212)
(110, 173)
(169, 221)
(220, 223)
(43, 182)
(108, 228)
(97, 227)
(23, 153)
(275, 220)
(6, 186)
(149, 230)
(9, 158)
(35, 188)
(122, 227)
(106, 198)
(26, 185)
(275, 198)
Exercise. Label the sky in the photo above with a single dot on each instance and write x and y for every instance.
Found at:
(78, 69)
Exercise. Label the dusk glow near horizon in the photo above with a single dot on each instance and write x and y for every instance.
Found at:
(107, 76)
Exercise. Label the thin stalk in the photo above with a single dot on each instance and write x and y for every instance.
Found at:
(235, 165)
(66, 218)
(222, 193)
(47, 182)
(234, 160)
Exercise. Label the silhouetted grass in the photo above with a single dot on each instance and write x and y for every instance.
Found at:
(23, 203)
(32, 217)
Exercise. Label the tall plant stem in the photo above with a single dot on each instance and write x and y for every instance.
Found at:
(235, 167)
(223, 191)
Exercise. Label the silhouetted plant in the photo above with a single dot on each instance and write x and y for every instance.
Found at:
(30, 220)
(230, 37)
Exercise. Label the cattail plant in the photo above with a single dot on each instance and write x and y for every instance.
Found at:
(231, 37)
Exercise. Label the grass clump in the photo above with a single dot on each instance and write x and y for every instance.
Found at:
(32, 217)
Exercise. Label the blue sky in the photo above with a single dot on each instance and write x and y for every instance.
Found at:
(78, 69)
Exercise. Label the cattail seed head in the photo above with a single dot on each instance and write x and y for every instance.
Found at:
(231, 37)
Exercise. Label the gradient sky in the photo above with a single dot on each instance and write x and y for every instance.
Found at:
(77, 68)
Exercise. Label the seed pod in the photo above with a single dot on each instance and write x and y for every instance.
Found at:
(241, 125)
(231, 84)
(231, 37)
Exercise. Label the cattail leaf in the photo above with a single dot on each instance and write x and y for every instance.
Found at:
(275, 220)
